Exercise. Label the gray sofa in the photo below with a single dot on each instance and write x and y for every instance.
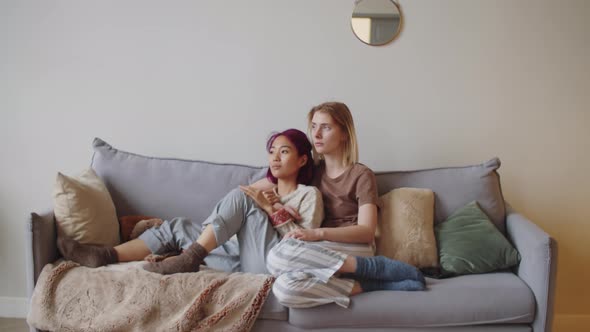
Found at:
(518, 300)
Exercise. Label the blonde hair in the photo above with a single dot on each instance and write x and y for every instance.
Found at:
(343, 118)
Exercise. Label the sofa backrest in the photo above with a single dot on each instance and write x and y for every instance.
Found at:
(454, 187)
(164, 187)
(168, 188)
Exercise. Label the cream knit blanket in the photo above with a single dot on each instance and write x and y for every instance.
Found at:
(124, 297)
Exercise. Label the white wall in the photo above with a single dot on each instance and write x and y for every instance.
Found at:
(465, 81)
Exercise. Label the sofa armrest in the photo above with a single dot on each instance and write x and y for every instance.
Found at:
(41, 245)
(538, 265)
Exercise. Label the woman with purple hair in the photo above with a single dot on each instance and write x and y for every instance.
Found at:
(244, 212)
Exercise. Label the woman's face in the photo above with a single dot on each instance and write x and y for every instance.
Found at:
(283, 159)
(327, 136)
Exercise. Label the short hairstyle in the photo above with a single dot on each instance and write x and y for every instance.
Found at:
(303, 146)
(343, 118)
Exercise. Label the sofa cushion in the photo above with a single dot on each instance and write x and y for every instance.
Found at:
(84, 209)
(469, 243)
(167, 187)
(273, 310)
(405, 230)
(493, 298)
(454, 187)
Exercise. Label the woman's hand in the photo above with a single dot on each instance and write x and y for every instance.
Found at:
(275, 201)
(258, 197)
(310, 235)
(292, 212)
(271, 196)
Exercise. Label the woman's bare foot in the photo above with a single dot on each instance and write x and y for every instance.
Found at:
(153, 258)
(188, 261)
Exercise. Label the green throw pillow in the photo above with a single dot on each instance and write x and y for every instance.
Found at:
(468, 243)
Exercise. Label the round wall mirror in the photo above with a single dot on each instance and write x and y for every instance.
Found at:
(376, 22)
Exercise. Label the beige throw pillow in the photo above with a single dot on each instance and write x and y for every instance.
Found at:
(405, 230)
(84, 209)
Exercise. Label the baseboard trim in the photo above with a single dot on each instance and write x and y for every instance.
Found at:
(571, 323)
(13, 307)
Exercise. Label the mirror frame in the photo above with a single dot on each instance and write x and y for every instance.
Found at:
(401, 24)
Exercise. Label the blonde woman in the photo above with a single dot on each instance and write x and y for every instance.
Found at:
(331, 263)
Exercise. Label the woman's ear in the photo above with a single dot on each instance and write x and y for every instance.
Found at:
(344, 137)
(303, 161)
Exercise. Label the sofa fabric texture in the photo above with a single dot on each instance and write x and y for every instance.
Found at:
(166, 187)
(494, 298)
(538, 264)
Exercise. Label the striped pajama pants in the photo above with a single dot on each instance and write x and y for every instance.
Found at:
(305, 271)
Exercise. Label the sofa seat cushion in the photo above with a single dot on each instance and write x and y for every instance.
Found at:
(273, 310)
(493, 298)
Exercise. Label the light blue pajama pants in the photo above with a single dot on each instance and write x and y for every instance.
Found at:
(235, 214)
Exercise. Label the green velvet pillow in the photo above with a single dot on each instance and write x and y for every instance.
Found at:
(468, 242)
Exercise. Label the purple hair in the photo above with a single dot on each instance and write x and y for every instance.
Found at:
(303, 146)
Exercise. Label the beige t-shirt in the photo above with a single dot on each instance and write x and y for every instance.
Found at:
(307, 201)
(344, 194)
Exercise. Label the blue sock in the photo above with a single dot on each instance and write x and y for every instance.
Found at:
(370, 285)
(383, 268)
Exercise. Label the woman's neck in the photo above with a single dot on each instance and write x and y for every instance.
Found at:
(334, 165)
(286, 186)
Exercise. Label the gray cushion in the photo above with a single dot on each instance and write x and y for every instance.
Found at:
(454, 187)
(494, 298)
(164, 187)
